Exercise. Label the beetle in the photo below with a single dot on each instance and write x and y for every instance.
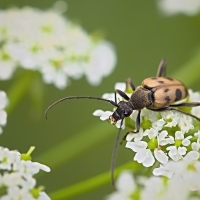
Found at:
(155, 93)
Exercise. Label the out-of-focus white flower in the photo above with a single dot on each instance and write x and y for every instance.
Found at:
(173, 7)
(60, 6)
(48, 42)
(7, 64)
(158, 188)
(3, 114)
(17, 176)
(186, 171)
(196, 145)
(101, 62)
(125, 186)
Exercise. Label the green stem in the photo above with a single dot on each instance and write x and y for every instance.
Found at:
(92, 183)
(19, 89)
(31, 149)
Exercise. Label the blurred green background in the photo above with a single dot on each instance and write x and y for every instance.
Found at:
(142, 37)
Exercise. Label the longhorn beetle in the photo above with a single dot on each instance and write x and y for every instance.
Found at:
(156, 94)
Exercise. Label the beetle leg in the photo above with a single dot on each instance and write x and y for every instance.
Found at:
(122, 94)
(115, 97)
(170, 109)
(161, 69)
(191, 104)
(130, 82)
(137, 125)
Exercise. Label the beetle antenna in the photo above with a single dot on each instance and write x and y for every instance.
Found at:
(78, 97)
(114, 155)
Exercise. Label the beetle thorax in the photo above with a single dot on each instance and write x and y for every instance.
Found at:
(141, 98)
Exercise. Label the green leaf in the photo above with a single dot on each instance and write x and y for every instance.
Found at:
(19, 89)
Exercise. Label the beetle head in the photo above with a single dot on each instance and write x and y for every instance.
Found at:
(123, 110)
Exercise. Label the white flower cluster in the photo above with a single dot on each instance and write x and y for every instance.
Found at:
(173, 7)
(48, 42)
(129, 187)
(16, 177)
(165, 137)
(3, 114)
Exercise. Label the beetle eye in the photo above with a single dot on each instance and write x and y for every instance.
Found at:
(127, 112)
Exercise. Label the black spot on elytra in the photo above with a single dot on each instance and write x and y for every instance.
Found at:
(153, 78)
(170, 79)
(167, 98)
(166, 90)
(178, 94)
(162, 82)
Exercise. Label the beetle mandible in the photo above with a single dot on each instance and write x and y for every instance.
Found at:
(156, 94)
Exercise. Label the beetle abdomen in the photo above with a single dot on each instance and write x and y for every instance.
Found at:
(166, 90)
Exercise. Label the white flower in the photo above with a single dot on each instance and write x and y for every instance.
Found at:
(43, 196)
(125, 186)
(196, 145)
(162, 140)
(186, 171)
(102, 60)
(28, 167)
(3, 114)
(111, 96)
(136, 136)
(17, 176)
(158, 125)
(103, 115)
(157, 188)
(194, 97)
(151, 133)
(172, 7)
(150, 115)
(177, 152)
(185, 123)
(143, 155)
(7, 64)
(172, 118)
(145, 152)
(161, 156)
(7, 158)
(17, 193)
(48, 42)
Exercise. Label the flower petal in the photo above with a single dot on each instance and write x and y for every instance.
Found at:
(136, 146)
(161, 156)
